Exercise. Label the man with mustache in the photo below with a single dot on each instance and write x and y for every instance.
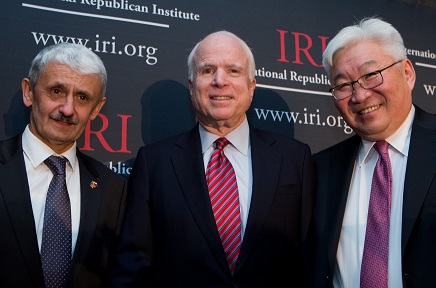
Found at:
(60, 210)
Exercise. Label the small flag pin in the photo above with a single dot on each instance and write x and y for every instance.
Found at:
(93, 184)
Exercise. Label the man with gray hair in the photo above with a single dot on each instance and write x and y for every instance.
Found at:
(60, 210)
(375, 209)
(224, 204)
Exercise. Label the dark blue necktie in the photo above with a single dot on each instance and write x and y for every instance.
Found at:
(56, 235)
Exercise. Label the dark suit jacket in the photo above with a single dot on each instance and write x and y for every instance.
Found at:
(334, 168)
(102, 210)
(170, 238)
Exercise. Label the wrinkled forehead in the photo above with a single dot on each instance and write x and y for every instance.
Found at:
(358, 50)
(220, 48)
(357, 56)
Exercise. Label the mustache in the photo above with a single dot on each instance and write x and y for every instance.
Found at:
(65, 119)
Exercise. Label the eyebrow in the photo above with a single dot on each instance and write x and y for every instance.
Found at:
(65, 87)
(367, 63)
(237, 66)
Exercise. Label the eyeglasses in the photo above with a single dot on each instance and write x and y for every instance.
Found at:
(367, 81)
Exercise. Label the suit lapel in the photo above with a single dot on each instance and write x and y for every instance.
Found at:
(90, 200)
(193, 185)
(16, 195)
(266, 163)
(341, 165)
(420, 172)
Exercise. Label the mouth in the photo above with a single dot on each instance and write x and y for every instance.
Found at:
(64, 120)
(220, 97)
(369, 110)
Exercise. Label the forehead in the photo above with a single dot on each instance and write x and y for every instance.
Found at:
(356, 59)
(63, 75)
(221, 49)
(58, 71)
(357, 54)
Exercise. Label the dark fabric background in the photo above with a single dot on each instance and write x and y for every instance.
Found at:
(148, 97)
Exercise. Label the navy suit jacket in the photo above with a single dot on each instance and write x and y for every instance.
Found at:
(101, 213)
(334, 168)
(170, 238)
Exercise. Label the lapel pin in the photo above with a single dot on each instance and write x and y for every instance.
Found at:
(93, 184)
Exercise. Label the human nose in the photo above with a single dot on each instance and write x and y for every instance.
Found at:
(353, 90)
(220, 78)
(67, 107)
(359, 94)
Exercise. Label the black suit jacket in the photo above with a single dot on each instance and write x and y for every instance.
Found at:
(102, 210)
(334, 167)
(170, 238)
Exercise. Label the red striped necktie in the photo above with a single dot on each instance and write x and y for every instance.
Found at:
(224, 197)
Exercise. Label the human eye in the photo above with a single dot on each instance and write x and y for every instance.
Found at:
(206, 70)
(370, 76)
(342, 87)
(82, 98)
(234, 70)
(56, 92)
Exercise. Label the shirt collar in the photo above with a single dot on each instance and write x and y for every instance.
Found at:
(399, 141)
(239, 138)
(37, 151)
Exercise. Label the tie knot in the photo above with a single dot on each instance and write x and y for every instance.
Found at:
(381, 147)
(56, 164)
(221, 143)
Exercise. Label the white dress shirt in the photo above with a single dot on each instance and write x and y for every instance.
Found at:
(39, 177)
(352, 239)
(239, 154)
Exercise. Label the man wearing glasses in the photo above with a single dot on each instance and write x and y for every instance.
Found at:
(375, 216)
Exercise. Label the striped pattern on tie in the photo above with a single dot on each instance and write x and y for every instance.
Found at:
(224, 197)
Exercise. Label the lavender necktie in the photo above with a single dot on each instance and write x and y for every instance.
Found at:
(374, 270)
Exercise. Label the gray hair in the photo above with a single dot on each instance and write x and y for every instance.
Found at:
(76, 56)
(251, 63)
(371, 28)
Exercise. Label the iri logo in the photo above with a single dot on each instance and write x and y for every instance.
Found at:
(303, 44)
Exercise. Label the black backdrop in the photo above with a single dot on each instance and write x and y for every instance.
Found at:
(144, 45)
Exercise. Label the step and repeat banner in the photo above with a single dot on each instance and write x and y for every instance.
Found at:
(144, 45)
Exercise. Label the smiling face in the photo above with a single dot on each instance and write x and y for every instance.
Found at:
(377, 113)
(61, 103)
(221, 89)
